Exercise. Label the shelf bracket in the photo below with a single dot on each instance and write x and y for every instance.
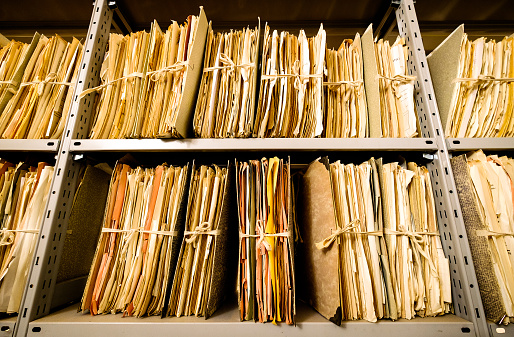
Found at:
(119, 22)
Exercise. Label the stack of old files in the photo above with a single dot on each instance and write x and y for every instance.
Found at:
(266, 259)
(37, 86)
(389, 88)
(484, 186)
(148, 82)
(24, 191)
(138, 245)
(345, 111)
(225, 106)
(201, 277)
(473, 82)
(371, 246)
(291, 91)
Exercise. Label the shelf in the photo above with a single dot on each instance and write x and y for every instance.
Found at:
(254, 144)
(501, 330)
(469, 144)
(7, 326)
(29, 145)
(225, 322)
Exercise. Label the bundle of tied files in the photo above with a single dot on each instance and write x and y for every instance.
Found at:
(24, 191)
(484, 185)
(155, 85)
(371, 243)
(37, 81)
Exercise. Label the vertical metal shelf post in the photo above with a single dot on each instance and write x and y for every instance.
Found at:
(466, 296)
(41, 282)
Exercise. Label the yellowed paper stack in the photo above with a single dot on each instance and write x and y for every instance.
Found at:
(373, 243)
(266, 271)
(138, 245)
(39, 92)
(225, 106)
(474, 85)
(202, 267)
(398, 115)
(489, 196)
(345, 113)
(24, 191)
(149, 81)
(291, 90)
(419, 269)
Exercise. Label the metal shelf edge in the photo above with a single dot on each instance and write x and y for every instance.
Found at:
(226, 322)
(29, 145)
(469, 144)
(253, 144)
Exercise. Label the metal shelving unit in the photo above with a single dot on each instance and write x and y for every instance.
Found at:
(42, 292)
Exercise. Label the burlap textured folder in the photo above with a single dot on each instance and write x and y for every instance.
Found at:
(482, 259)
(84, 224)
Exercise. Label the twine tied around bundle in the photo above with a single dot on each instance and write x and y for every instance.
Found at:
(417, 239)
(7, 235)
(205, 228)
(298, 78)
(50, 79)
(483, 80)
(159, 73)
(259, 226)
(106, 84)
(228, 64)
(347, 229)
(485, 232)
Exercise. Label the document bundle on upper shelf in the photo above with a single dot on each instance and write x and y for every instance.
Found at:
(36, 86)
(370, 242)
(345, 112)
(138, 245)
(389, 88)
(484, 185)
(225, 105)
(474, 85)
(149, 82)
(266, 258)
(24, 191)
(291, 91)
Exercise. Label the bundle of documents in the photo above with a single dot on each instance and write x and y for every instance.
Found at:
(201, 268)
(38, 88)
(226, 100)
(484, 186)
(24, 192)
(473, 82)
(345, 110)
(148, 82)
(137, 249)
(398, 115)
(291, 92)
(371, 242)
(266, 265)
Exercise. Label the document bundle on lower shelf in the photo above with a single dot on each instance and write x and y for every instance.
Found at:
(24, 191)
(484, 185)
(371, 246)
(137, 249)
(366, 245)
(37, 85)
(266, 258)
(474, 85)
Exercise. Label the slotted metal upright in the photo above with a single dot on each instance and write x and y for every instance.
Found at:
(42, 289)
